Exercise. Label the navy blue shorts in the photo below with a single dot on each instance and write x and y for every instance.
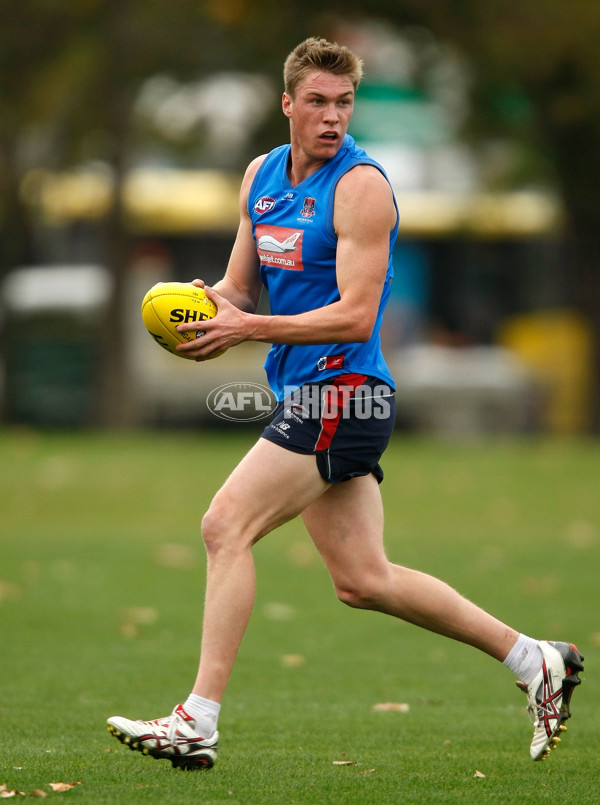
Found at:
(345, 422)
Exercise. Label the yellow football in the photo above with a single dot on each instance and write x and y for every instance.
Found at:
(169, 304)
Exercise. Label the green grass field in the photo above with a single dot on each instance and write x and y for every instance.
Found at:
(101, 587)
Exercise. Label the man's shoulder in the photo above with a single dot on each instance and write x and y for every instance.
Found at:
(253, 167)
(362, 175)
(364, 190)
(258, 161)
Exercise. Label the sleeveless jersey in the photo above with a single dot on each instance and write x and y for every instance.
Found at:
(296, 244)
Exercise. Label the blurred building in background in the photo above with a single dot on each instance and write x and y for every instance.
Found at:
(478, 331)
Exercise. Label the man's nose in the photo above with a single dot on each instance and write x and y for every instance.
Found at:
(331, 113)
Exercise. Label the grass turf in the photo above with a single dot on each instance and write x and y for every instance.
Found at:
(101, 585)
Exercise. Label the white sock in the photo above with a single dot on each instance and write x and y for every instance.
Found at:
(525, 659)
(204, 712)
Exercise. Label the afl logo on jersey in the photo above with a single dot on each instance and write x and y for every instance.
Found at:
(264, 204)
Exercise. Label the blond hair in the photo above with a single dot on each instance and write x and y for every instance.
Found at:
(319, 54)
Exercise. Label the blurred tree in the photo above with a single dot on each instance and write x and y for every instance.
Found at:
(70, 71)
(535, 81)
(547, 54)
(32, 37)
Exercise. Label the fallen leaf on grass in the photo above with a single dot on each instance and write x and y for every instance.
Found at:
(275, 611)
(292, 660)
(9, 591)
(581, 534)
(478, 773)
(133, 618)
(541, 586)
(6, 793)
(175, 556)
(302, 554)
(64, 786)
(391, 707)
(345, 763)
(367, 771)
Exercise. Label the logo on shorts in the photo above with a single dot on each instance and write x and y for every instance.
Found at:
(297, 412)
(281, 428)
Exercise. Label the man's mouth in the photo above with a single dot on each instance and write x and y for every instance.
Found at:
(329, 135)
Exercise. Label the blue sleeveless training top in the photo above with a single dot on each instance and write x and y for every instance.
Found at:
(296, 244)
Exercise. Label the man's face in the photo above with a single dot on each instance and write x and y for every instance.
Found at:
(320, 113)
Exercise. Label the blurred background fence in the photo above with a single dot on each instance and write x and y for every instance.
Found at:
(125, 127)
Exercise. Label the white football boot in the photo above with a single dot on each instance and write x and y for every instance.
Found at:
(550, 693)
(172, 738)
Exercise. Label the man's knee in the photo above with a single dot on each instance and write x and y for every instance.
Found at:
(225, 528)
(366, 588)
(361, 595)
(216, 527)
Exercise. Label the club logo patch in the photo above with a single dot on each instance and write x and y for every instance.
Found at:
(308, 208)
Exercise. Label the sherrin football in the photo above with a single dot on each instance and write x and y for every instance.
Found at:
(169, 304)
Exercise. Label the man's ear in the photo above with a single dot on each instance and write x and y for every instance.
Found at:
(286, 104)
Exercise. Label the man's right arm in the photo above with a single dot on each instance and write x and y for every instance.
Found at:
(241, 284)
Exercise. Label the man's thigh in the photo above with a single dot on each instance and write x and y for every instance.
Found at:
(269, 486)
(346, 526)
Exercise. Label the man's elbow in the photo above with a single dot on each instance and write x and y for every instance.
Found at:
(356, 324)
(362, 331)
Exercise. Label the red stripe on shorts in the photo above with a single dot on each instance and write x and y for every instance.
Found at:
(330, 424)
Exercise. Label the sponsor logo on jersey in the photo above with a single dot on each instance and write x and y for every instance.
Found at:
(279, 246)
(270, 244)
(264, 204)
